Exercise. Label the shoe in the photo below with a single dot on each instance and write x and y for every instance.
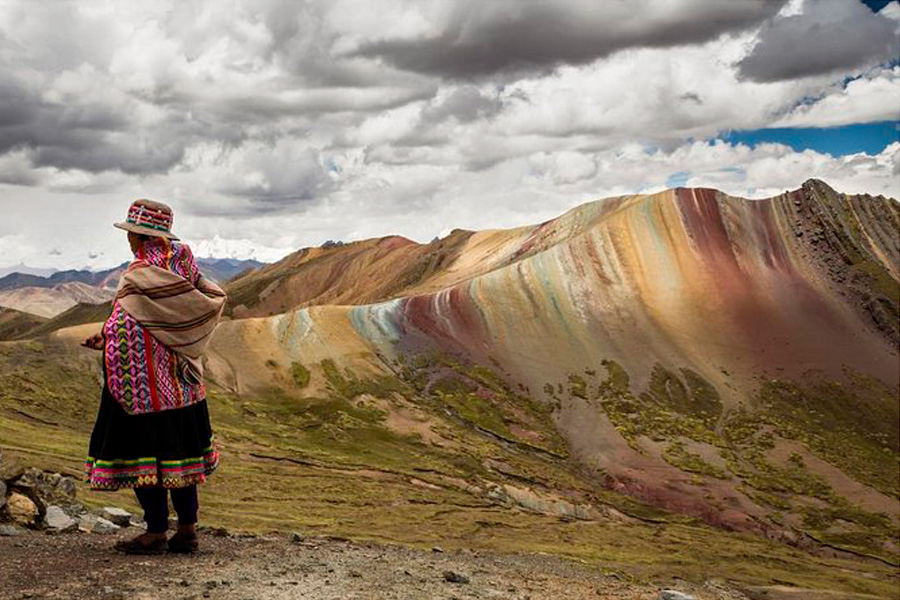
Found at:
(136, 546)
(183, 543)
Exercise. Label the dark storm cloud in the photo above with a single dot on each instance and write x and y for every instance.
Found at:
(829, 36)
(508, 36)
(465, 104)
(86, 97)
(275, 178)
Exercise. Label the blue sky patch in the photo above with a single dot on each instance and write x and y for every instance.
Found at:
(677, 179)
(870, 138)
(876, 5)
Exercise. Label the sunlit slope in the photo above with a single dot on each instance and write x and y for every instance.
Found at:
(379, 269)
(689, 277)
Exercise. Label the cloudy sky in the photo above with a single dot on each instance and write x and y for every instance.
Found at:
(272, 125)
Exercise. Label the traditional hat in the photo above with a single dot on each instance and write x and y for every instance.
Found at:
(149, 218)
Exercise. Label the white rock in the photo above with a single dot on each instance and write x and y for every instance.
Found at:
(86, 522)
(59, 521)
(119, 516)
(104, 527)
(675, 595)
(9, 530)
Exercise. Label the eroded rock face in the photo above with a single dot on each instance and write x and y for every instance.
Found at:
(21, 509)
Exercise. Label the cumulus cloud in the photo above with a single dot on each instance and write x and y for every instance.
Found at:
(869, 99)
(277, 124)
(826, 37)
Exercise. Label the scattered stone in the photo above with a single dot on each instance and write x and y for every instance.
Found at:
(675, 595)
(454, 577)
(45, 488)
(86, 522)
(58, 521)
(21, 509)
(297, 538)
(118, 516)
(214, 531)
(104, 527)
(2, 493)
(67, 486)
(9, 530)
(437, 549)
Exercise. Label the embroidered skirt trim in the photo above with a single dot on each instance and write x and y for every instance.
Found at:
(150, 471)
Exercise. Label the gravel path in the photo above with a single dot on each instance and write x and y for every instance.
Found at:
(35, 565)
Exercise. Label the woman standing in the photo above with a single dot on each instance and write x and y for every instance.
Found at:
(152, 432)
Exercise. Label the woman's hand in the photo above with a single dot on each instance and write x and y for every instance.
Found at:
(94, 342)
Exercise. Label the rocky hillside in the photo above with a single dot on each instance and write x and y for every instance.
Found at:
(605, 386)
(14, 323)
(70, 298)
(50, 301)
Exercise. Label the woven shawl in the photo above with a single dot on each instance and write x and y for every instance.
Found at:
(162, 321)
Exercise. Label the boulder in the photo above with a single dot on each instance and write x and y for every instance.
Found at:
(119, 516)
(21, 509)
(57, 521)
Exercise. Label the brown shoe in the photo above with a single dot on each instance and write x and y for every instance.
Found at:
(183, 543)
(140, 545)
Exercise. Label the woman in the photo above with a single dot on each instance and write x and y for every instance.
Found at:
(152, 431)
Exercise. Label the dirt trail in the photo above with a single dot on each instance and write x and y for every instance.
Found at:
(35, 565)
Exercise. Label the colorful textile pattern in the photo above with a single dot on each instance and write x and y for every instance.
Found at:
(180, 314)
(142, 373)
(140, 213)
(150, 471)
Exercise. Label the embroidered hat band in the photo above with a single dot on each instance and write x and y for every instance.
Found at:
(149, 218)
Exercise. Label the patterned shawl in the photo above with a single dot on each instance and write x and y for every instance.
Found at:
(162, 320)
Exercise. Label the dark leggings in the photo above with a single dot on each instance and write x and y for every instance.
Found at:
(155, 503)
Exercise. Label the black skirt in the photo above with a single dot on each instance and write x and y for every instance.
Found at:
(171, 448)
